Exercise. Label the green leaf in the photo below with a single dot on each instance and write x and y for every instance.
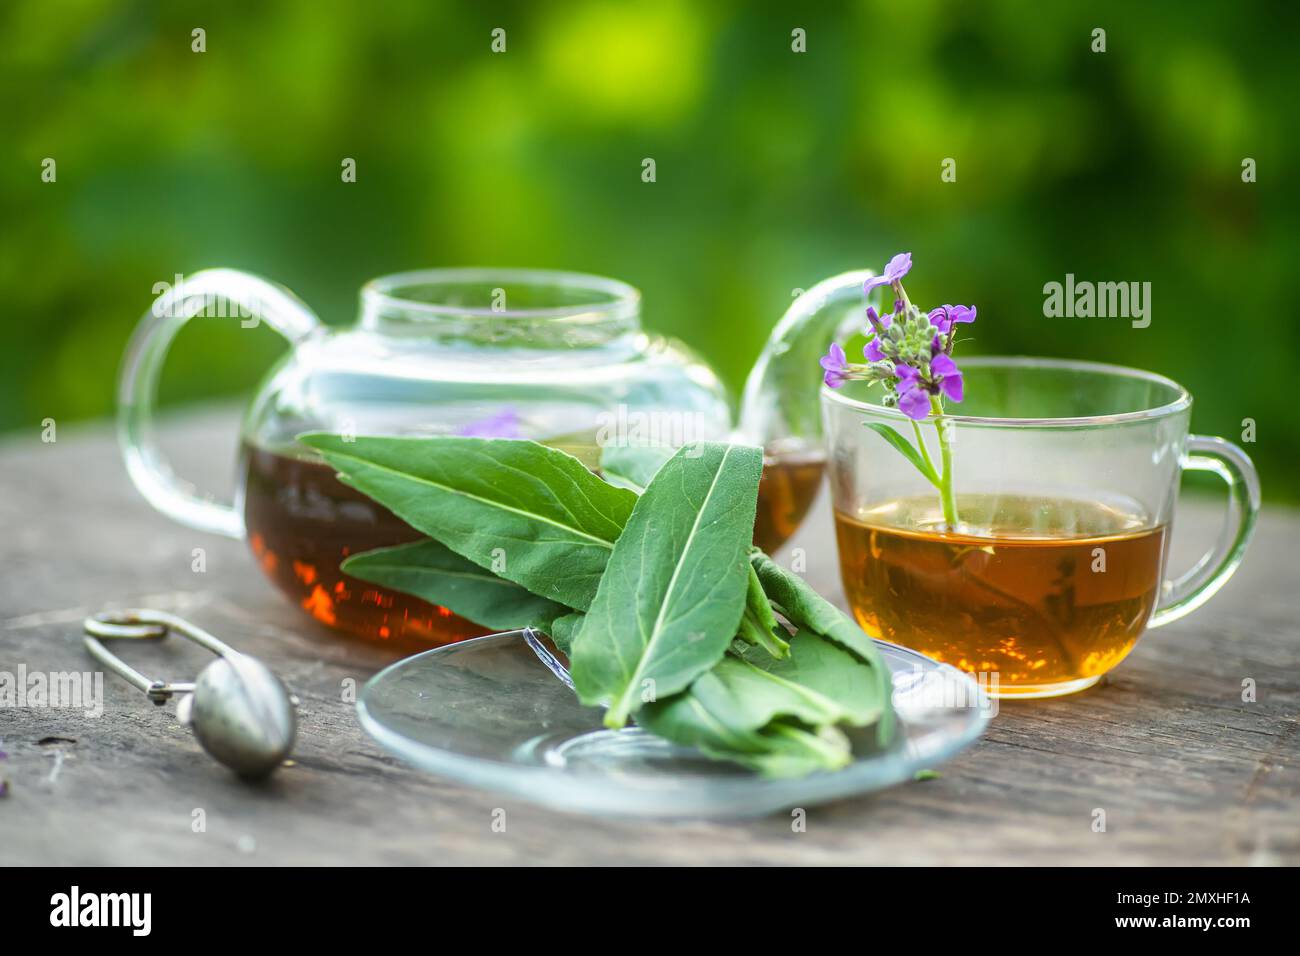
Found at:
(907, 448)
(803, 607)
(758, 625)
(807, 610)
(707, 717)
(675, 586)
(633, 466)
(712, 723)
(563, 629)
(734, 710)
(432, 571)
(794, 751)
(533, 514)
(819, 683)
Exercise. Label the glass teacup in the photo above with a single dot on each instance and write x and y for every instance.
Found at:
(1066, 476)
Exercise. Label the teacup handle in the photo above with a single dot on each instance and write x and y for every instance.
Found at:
(1189, 591)
(137, 391)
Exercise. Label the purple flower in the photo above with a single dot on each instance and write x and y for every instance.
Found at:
(835, 362)
(897, 358)
(946, 316)
(947, 376)
(913, 401)
(504, 424)
(894, 272)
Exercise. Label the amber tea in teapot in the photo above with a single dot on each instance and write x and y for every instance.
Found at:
(488, 352)
(302, 522)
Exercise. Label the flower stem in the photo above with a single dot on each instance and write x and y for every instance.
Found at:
(946, 493)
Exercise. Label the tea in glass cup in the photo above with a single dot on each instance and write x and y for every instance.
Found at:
(1021, 599)
(1056, 564)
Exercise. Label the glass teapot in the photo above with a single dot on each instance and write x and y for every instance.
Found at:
(553, 356)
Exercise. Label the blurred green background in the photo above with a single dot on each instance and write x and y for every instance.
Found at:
(774, 169)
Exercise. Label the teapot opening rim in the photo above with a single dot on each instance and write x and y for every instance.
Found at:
(605, 300)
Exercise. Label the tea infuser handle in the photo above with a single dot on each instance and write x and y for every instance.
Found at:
(1189, 591)
(257, 301)
(134, 625)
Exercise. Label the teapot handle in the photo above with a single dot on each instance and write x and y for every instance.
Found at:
(782, 393)
(254, 300)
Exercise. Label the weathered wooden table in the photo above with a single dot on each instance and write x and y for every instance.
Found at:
(1185, 771)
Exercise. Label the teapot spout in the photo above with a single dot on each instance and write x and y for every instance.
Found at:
(781, 405)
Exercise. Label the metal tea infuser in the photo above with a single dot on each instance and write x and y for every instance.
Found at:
(240, 712)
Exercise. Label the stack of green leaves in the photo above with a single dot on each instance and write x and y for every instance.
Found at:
(644, 578)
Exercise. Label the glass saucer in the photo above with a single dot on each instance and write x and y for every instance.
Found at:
(498, 713)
